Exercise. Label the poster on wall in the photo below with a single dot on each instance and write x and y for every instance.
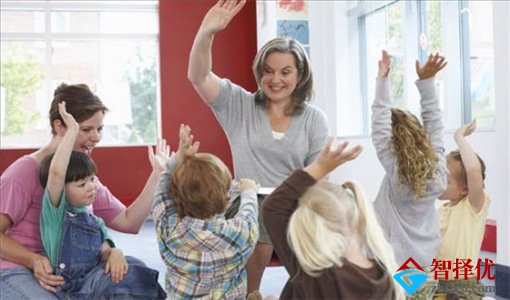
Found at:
(294, 29)
(292, 10)
(292, 21)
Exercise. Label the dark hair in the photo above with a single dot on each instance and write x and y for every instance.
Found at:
(80, 166)
(199, 186)
(304, 89)
(81, 103)
(455, 156)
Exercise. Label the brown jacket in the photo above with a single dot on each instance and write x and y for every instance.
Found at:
(347, 282)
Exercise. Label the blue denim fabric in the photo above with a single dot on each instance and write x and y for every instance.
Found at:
(80, 264)
(20, 284)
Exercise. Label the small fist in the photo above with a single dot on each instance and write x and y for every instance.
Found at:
(246, 184)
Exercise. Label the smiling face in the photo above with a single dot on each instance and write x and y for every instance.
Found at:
(89, 134)
(280, 77)
(86, 108)
(81, 192)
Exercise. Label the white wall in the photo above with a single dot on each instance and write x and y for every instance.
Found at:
(331, 54)
(501, 145)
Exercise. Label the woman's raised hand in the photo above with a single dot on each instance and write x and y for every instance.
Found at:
(220, 15)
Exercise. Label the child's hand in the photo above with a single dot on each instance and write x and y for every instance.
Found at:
(116, 265)
(69, 120)
(434, 64)
(159, 158)
(186, 146)
(220, 15)
(247, 184)
(465, 130)
(384, 65)
(329, 159)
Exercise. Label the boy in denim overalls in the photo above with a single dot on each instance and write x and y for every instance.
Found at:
(77, 242)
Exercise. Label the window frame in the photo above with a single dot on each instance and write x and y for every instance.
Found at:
(48, 37)
(358, 14)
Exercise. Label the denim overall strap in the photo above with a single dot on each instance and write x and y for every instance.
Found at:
(80, 247)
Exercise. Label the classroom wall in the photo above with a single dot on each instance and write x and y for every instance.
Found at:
(125, 169)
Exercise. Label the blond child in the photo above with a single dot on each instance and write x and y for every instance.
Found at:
(322, 233)
(205, 254)
(413, 158)
(463, 216)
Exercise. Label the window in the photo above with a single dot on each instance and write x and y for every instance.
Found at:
(460, 30)
(112, 46)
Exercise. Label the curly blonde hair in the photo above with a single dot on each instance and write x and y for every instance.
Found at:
(416, 160)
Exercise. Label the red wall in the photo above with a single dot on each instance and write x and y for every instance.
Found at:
(233, 52)
(125, 169)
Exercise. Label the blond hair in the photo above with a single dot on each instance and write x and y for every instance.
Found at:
(456, 157)
(326, 219)
(199, 186)
(417, 161)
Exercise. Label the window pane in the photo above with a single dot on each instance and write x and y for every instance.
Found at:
(22, 21)
(74, 21)
(104, 22)
(22, 94)
(124, 76)
(118, 61)
(432, 41)
(129, 22)
(384, 30)
(482, 62)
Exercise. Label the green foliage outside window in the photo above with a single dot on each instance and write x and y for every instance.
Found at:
(143, 86)
(20, 77)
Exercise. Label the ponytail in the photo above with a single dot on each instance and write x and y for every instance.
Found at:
(372, 233)
(316, 230)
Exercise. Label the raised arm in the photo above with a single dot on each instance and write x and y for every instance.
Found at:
(132, 218)
(205, 82)
(381, 114)
(281, 203)
(60, 161)
(430, 110)
(471, 165)
(163, 203)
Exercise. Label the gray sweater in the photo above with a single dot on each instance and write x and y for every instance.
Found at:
(256, 153)
(410, 224)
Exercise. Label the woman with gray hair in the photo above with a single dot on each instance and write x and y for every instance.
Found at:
(263, 128)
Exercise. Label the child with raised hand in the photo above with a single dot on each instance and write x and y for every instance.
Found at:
(205, 254)
(463, 216)
(321, 232)
(413, 158)
(77, 242)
